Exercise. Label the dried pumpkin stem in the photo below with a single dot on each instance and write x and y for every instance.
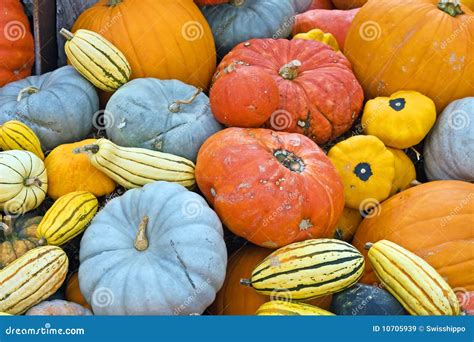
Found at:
(7, 226)
(415, 183)
(175, 107)
(28, 90)
(237, 3)
(33, 181)
(87, 149)
(290, 71)
(66, 34)
(42, 241)
(114, 2)
(246, 282)
(451, 7)
(368, 245)
(141, 241)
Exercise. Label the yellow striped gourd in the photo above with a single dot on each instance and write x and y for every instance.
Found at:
(32, 278)
(284, 308)
(97, 59)
(15, 135)
(308, 269)
(134, 167)
(67, 218)
(410, 279)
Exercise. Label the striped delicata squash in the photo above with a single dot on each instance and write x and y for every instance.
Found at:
(285, 308)
(97, 59)
(32, 278)
(134, 167)
(67, 218)
(410, 279)
(308, 269)
(15, 135)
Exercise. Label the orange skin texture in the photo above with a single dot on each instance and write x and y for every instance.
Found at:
(324, 98)
(336, 22)
(244, 97)
(433, 220)
(348, 4)
(69, 172)
(321, 4)
(396, 45)
(210, 2)
(236, 299)
(260, 199)
(73, 292)
(17, 53)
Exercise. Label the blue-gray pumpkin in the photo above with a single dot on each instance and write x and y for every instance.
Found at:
(58, 106)
(241, 20)
(301, 5)
(157, 250)
(449, 148)
(163, 115)
(362, 299)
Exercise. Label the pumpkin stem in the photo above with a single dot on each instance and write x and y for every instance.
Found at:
(114, 3)
(237, 3)
(415, 183)
(87, 148)
(6, 225)
(246, 282)
(141, 241)
(368, 245)
(42, 241)
(290, 71)
(33, 181)
(289, 160)
(451, 7)
(66, 34)
(175, 107)
(28, 90)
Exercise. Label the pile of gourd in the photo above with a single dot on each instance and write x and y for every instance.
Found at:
(336, 140)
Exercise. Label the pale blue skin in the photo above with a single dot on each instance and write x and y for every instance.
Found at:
(141, 117)
(232, 25)
(180, 271)
(301, 5)
(449, 148)
(61, 112)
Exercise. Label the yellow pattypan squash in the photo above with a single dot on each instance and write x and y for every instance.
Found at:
(367, 170)
(401, 120)
(348, 224)
(319, 36)
(405, 172)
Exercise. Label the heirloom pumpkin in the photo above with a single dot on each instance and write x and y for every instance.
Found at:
(23, 181)
(17, 52)
(73, 291)
(367, 170)
(182, 48)
(62, 163)
(58, 307)
(240, 20)
(396, 45)
(449, 148)
(15, 135)
(433, 220)
(58, 106)
(405, 173)
(161, 227)
(401, 120)
(319, 95)
(163, 115)
(271, 188)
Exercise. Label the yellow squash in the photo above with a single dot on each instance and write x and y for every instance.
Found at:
(284, 308)
(307, 270)
(15, 135)
(98, 60)
(32, 278)
(319, 36)
(348, 224)
(410, 279)
(134, 167)
(405, 173)
(67, 218)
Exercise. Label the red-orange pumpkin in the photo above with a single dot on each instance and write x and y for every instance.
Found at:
(272, 188)
(210, 2)
(319, 95)
(16, 43)
(321, 4)
(348, 4)
(435, 221)
(244, 96)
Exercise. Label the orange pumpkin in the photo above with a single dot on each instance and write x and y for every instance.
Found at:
(348, 4)
(73, 292)
(165, 39)
(16, 43)
(412, 44)
(434, 220)
(236, 299)
(272, 188)
(469, 3)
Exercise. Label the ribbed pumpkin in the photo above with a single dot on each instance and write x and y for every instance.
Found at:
(69, 172)
(166, 39)
(433, 220)
(15, 135)
(319, 95)
(16, 43)
(73, 291)
(412, 44)
(271, 188)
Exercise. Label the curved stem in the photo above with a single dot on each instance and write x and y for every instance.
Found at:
(87, 148)
(290, 71)
(28, 90)
(33, 181)
(141, 241)
(368, 245)
(175, 107)
(451, 7)
(7, 226)
(66, 34)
